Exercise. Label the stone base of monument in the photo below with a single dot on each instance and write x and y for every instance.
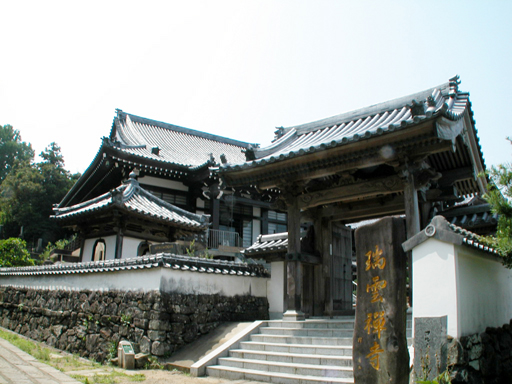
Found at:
(293, 315)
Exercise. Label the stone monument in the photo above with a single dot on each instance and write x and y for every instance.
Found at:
(380, 353)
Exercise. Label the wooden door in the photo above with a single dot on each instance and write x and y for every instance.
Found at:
(341, 268)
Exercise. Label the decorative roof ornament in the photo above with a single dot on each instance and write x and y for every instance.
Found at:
(431, 106)
(249, 153)
(454, 85)
(417, 108)
(278, 133)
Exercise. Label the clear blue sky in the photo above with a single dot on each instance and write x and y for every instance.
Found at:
(241, 68)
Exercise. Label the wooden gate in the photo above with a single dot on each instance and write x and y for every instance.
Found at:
(341, 269)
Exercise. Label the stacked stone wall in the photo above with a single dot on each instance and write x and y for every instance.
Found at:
(91, 323)
(484, 358)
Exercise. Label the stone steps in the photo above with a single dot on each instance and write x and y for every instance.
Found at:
(233, 373)
(341, 350)
(282, 339)
(299, 358)
(290, 368)
(313, 351)
(313, 332)
(307, 352)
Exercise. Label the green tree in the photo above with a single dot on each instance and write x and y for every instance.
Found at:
(28, 193)
(12, 150)
(499, 197)
(13, 253)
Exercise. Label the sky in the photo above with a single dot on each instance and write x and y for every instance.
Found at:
(241, 68)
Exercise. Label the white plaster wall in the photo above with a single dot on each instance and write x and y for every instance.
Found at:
(157, 182)
(209, 284)
(485, 291)
(435, 283)
(140, 279)
(130, 245)
(275, 289)
(110, 243)
(168, 280)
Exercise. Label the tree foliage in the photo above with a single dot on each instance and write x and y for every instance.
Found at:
(27, 195)
(13, 150)
(13, 253)
(500, 197)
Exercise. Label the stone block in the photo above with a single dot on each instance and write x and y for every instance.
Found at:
(91, 342)
(158, 348)
(156, 335)
(145, 345)
(141, 323)
(429, 339)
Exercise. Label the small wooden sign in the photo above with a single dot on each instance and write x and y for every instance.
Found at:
(173, 248)
(380, 352)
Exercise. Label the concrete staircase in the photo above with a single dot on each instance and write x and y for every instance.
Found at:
(290, 352)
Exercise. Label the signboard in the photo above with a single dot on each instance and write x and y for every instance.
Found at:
(380, 352)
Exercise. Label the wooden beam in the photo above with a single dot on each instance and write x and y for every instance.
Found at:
(361, 190)
(448, 178)
(364, 210)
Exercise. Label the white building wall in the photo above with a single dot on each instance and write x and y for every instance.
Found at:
(276, 290)
(485, 292)
(471, 287)
(435, 283)
(130, 246)
(110, 244)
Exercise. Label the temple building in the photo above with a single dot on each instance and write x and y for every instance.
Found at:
(290, 203)
(178, 167)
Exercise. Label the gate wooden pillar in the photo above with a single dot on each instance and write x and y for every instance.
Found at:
(416, 175)
(293, 262)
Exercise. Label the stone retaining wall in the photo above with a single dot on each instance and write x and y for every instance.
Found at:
(484, 358)
(91, 323)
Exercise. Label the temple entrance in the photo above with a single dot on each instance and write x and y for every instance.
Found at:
(341, 269)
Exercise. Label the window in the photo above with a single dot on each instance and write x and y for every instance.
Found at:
(277, 216)
(143, 249)
(99, 250)
(277, 222)
(276, 228)
(247, 233)
(168, 196)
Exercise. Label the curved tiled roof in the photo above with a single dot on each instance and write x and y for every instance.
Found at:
(277, 242)
(132, 198)
(165, 260)
(444, 102)
(171, 144)
(442, 230)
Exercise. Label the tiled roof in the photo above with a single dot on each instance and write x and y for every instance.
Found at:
(277, 242)
(171, 144)
(444, 102)
(439, 228)
(474, 214)
(183, 263)
(132, 198)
